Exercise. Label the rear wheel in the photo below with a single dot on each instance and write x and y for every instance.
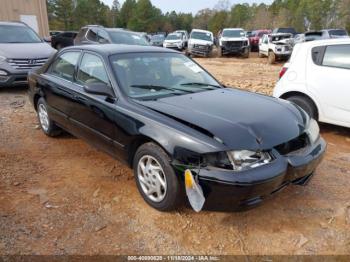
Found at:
(272, 57)
(306, 104)
(46, 124)
(155, 178)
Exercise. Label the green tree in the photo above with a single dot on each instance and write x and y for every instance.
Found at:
(218, 21)
(126, 12)
(146, 17)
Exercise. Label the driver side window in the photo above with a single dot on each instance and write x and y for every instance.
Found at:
(92, 70)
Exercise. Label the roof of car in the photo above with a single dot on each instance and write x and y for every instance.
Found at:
(332, 41)
(233, 29)
(200, 30)
(111, 49)
(12, 23)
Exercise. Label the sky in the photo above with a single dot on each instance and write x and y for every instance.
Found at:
(188, 6)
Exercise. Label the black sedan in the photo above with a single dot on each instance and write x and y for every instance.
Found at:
(175, 125)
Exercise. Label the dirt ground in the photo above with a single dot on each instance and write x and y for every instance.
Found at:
(60, 196)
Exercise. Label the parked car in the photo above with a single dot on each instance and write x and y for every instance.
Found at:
(334, 33)
(21, 50)
(321, 35)
(255, 37)
(179, 128)
(62, 40)
(317, 79)
(233, 41)
(174, 41)
(201, 43)
(157, 40)
(185, 36)
(276, 47)
(284, 30)
(94, 34)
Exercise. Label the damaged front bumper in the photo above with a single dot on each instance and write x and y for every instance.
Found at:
(226, 189)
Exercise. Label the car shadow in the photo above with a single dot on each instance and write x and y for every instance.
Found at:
(333, 129)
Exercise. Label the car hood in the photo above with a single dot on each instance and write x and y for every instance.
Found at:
(240, 119)
(173, 41)
(199, 42)
(26, 51)
(233, 39)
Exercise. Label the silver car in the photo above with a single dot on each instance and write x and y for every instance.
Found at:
(21, 50)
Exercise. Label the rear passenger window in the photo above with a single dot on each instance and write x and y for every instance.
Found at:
(64, 65)
(92, 70)
(92, 35)
(337, 56)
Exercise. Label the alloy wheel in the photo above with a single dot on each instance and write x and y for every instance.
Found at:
(152, 178)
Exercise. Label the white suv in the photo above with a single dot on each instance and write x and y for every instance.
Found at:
(317, 79)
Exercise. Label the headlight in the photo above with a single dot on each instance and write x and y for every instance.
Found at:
(2, 59)
(313, 130)
(245, 159)
(238, 160)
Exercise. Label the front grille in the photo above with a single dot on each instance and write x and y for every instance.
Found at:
(293, 145)
(234, 44)
(201, 47)
(27, 63)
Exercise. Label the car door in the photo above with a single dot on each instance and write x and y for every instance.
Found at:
(329, 78)
(264, 45)
(94, 115)
(56, 84)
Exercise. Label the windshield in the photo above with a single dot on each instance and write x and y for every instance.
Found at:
(279, 37)
(18, 34)
(150, 76)
(128, 38)
(233, 33)
(338, 32)
(286, 30)
(201, 36)
(173, 37)
(157, 38)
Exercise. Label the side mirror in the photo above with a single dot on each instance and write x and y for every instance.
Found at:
(99, 89)
(260, 41)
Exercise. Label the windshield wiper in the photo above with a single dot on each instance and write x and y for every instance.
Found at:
(201, 84)
(160, 88)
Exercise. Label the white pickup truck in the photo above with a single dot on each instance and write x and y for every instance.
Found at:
(276, 46)
(234, 41)
(201, 43)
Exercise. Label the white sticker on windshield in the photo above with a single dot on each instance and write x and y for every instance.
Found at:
(195, 68)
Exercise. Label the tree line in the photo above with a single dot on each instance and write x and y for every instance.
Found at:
(142, 16)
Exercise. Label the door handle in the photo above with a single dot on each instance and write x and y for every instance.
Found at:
(79, 98)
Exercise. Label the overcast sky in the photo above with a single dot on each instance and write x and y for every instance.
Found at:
(189, 5)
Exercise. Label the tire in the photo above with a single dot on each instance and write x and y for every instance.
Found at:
(272, 58)
(59, 46)
(306, 104)
(220, 52)
(46, 124)
(246, 53)
(171, 195)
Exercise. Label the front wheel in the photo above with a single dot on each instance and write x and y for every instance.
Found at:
(46, 124)
(246, 53)
(155, 178)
